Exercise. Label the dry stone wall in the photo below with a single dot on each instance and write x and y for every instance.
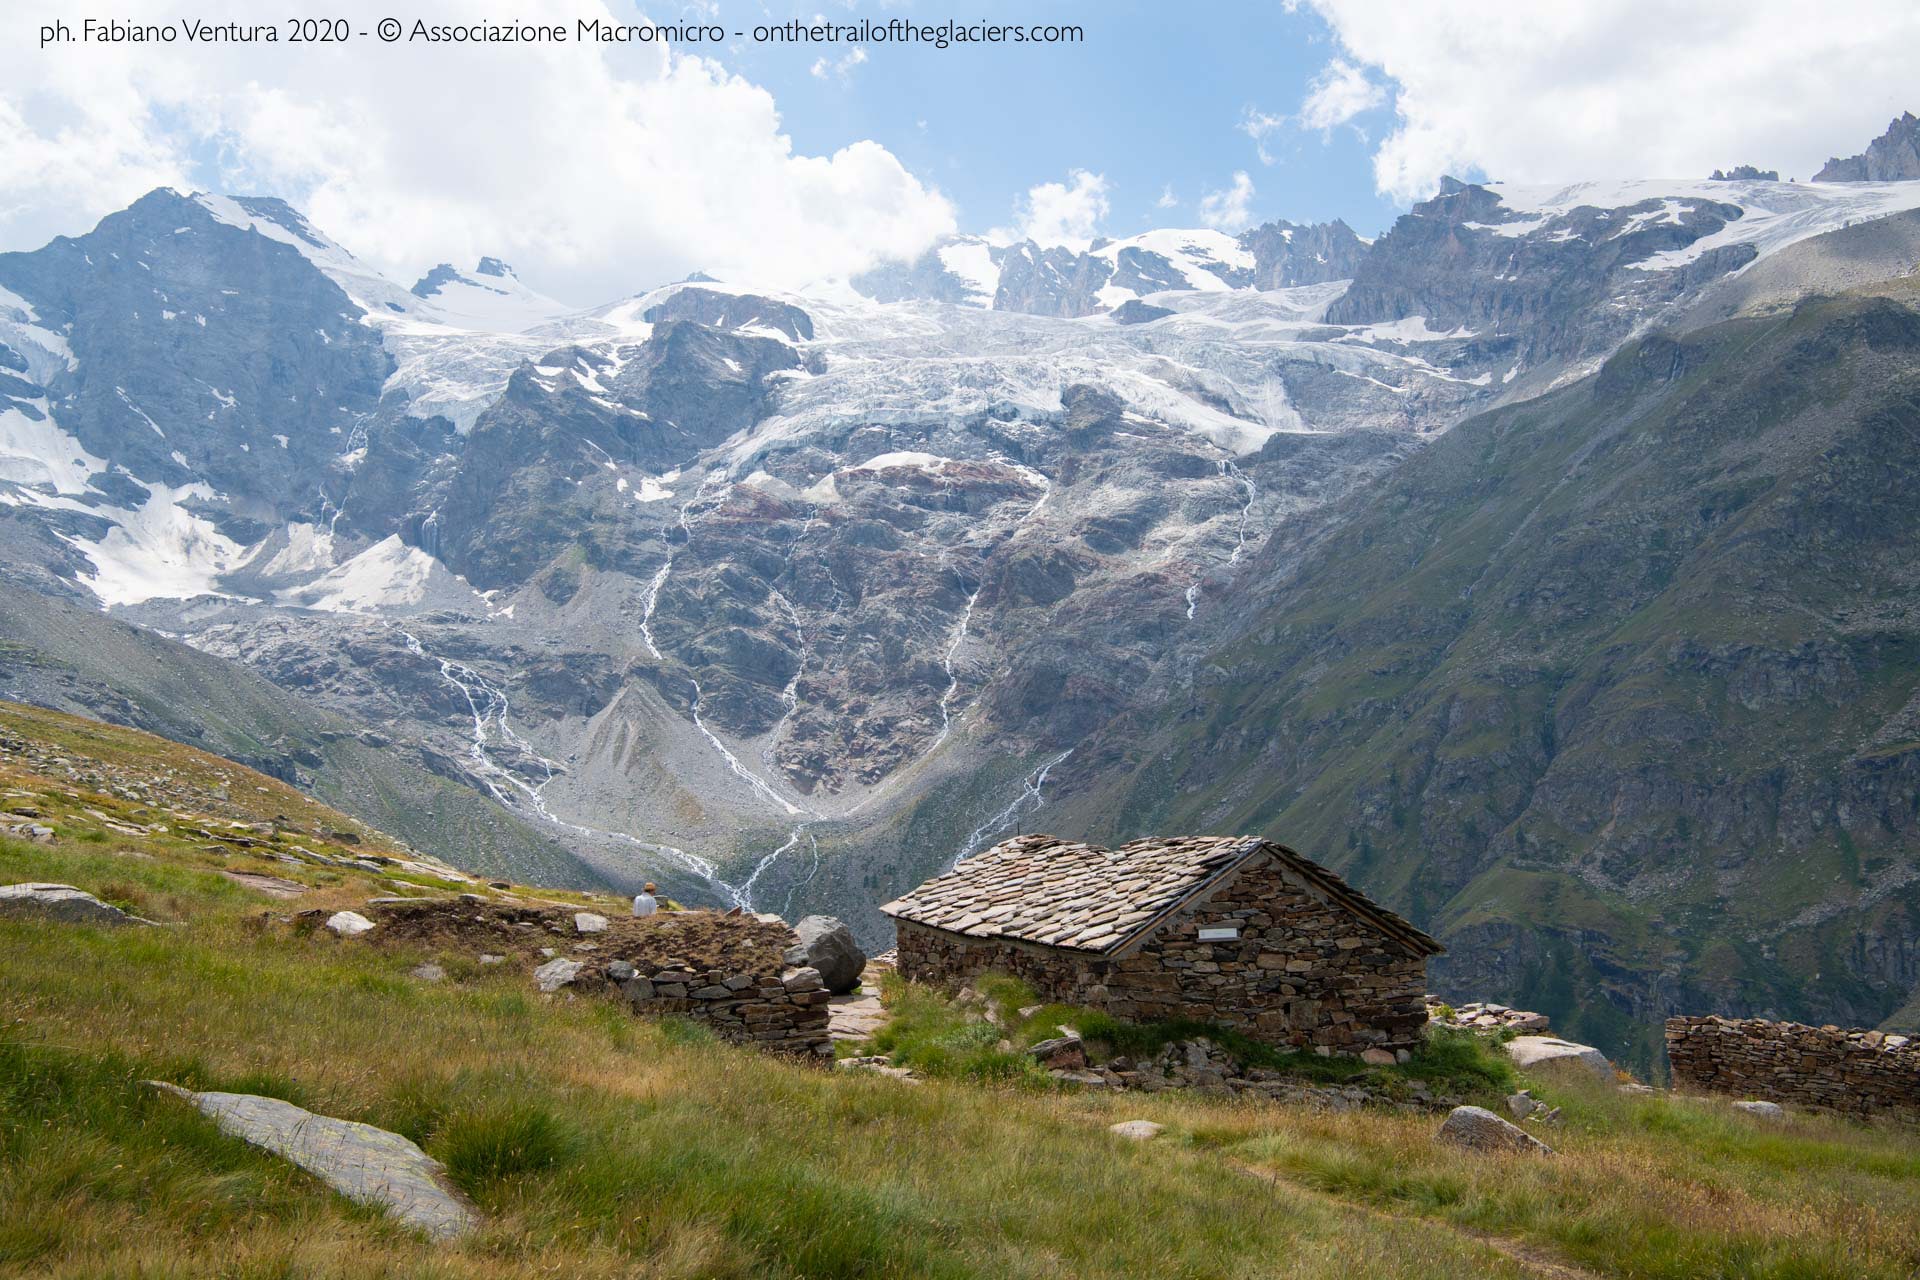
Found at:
(784, 1012)
(1299, 971)
(1857, 1072)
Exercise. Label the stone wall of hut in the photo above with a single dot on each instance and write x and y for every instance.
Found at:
(1302, 971)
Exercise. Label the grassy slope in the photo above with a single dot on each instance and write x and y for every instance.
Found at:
(75, 659)
(1588, 684)
(598, 1145)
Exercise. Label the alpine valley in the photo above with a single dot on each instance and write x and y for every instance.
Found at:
(1548, 566)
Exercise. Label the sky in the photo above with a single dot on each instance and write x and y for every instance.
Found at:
(599, 171)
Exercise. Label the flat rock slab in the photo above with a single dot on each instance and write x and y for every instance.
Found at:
(855, 1016)
(555, 974)
(1478, 1129)
(61, 902)
(272, 886)
(1762, 1110)
(364, 1164)
(1550, 1051)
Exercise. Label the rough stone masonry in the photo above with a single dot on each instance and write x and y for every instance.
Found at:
(785, 1011)
(1856, 1072)
(1252, 936)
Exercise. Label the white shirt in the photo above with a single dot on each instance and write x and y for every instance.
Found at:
(644, 905)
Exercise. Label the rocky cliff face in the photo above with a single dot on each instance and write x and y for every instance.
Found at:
(1894, 156)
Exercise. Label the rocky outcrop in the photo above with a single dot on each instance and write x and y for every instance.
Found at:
(1532, 1053)
(1861, 1073)
(367, 1165)
(1562, 286)
(1286, 254)
(1892, 157)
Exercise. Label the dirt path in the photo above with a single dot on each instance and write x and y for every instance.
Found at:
(1536, 1259)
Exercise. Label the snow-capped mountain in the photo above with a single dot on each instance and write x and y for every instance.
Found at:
(490, 298)
(783, 597)
(1058, 281)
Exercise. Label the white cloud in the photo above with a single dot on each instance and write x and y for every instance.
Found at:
(1230, 209)
(842, 69)
(1339, 93)
(1258, 125)
(1064, 213)
(1531, 92)
(1167, 199)
(595, 171)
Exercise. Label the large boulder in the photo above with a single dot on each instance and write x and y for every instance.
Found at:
(1534, 1052)
(1478, 1129)
(827, 945)
(61, 902)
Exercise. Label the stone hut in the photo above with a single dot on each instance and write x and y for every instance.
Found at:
(1232, 930)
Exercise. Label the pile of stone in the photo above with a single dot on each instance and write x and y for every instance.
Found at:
(1480, 1016)
(1858, 1072)
(1206, 1067)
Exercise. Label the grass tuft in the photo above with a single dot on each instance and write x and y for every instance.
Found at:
(502, 1138)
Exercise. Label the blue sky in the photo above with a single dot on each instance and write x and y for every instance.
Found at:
(1154, 99)
(601, 171)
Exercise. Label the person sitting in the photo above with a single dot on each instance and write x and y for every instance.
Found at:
(644, 903)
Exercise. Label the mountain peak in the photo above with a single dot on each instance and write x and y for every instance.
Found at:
(1894, 156)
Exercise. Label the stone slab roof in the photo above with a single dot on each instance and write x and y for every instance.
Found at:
(1082, 897)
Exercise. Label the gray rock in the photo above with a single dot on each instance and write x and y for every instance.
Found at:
(1478, 1129)
(827, 945)
(1534, 1052)
(488, 958)
(589, 922)
(1137, 1130)
(1762, 1110)
(555, 974)
(798, 980)
(1892, 157)
(429, 972)
(1520, 1105)
(349, 924)
(1062, 1053)
(364, 1164)
(61, 902)
(621, 971)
